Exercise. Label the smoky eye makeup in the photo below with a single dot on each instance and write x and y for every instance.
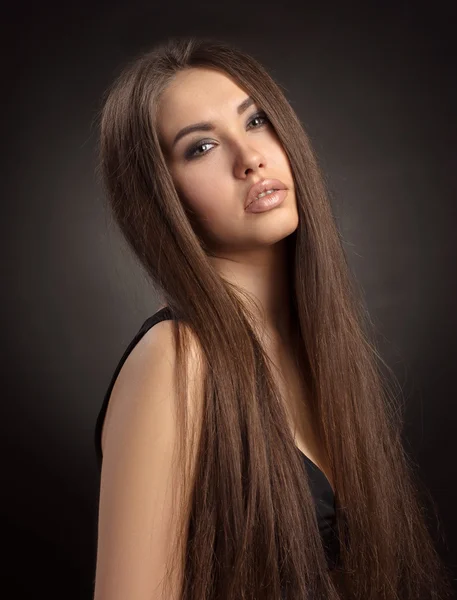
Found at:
(192, 153)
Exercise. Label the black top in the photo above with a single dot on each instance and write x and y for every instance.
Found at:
(321, 489)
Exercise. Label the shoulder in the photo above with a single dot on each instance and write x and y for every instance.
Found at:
(156, 353)
(146, 381)
(160, 340)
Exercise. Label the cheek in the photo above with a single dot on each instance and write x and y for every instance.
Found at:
(206, 195)
(280, 157)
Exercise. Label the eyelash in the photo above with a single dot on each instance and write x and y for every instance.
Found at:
(191, 153)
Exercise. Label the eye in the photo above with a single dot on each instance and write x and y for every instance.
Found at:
(260, 115)
(193, 150)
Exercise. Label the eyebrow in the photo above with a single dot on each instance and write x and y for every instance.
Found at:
(206, 126)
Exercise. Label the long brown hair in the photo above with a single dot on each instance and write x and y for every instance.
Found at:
(249, 524)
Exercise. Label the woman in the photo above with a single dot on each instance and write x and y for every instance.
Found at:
(251, 448)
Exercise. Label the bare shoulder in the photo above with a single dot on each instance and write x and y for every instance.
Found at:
(151, 366)
(137, 526)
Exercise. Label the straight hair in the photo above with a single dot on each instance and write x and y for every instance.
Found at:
(248, 524)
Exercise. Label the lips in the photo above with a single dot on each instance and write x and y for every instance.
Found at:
(263, 186)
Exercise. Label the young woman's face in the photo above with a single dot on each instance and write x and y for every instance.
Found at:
(213, 170)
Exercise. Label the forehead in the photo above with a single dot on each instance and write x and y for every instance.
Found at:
(194, 95)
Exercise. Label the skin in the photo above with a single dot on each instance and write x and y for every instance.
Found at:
(247, 249)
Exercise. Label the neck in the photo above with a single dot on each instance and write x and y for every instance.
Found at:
(264, 275)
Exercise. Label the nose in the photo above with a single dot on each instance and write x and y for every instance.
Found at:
(248, 159)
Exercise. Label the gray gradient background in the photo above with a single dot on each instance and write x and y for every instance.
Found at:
(374, 87)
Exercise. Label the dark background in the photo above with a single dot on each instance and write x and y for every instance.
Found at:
(375, 88)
